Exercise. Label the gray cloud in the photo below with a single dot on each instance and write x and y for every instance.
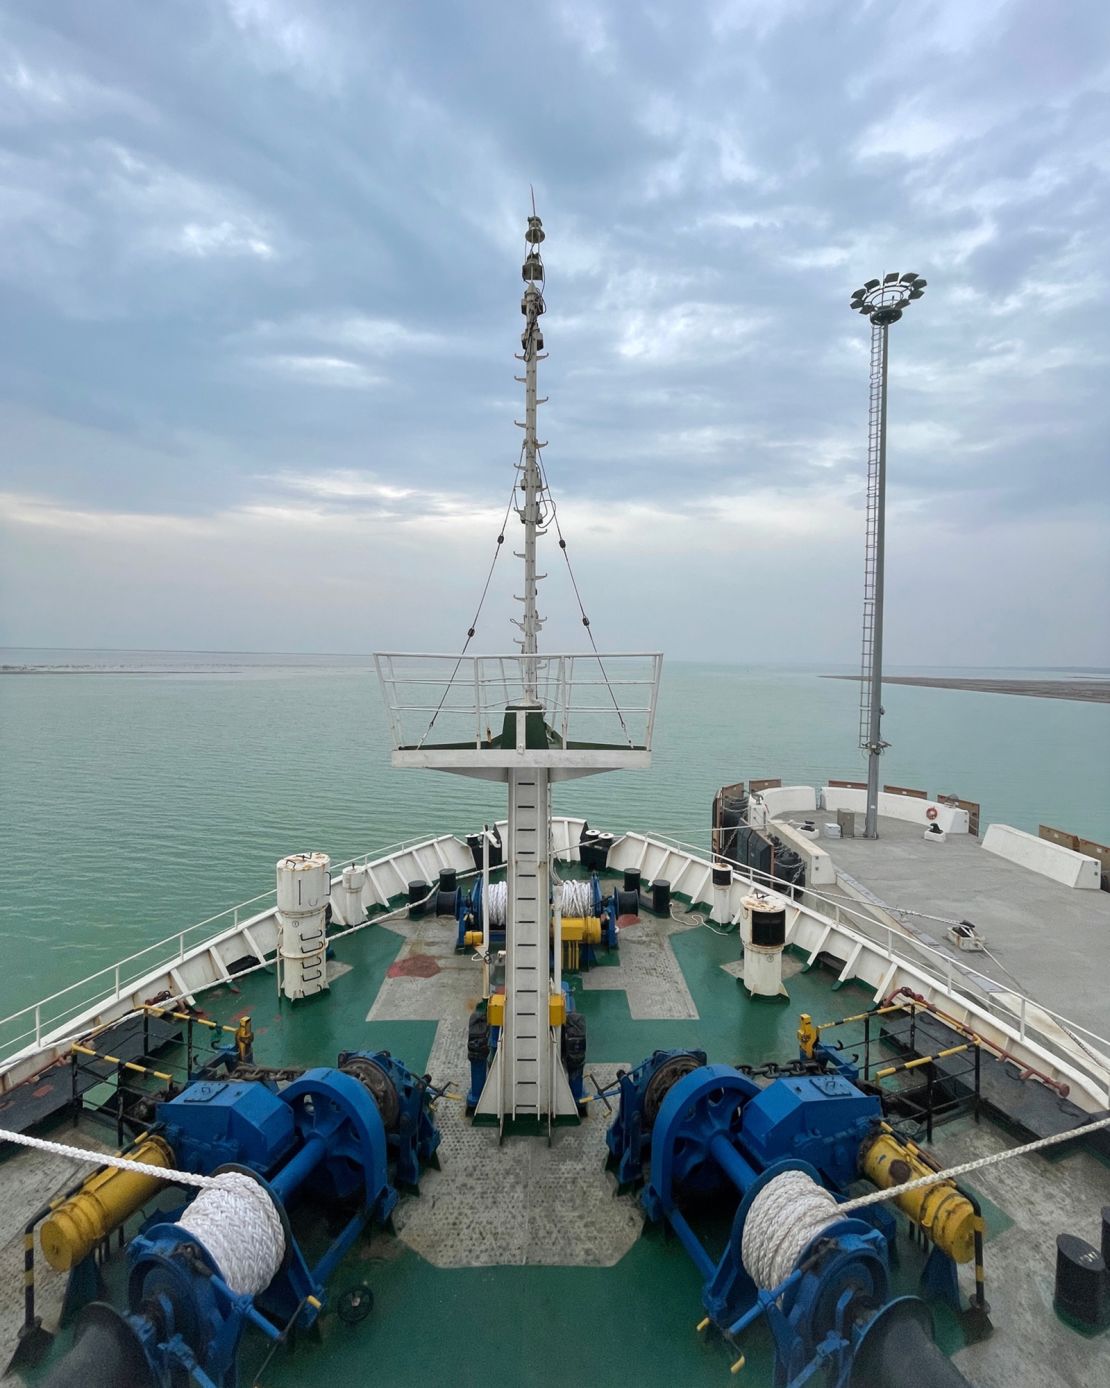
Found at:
(261, 264)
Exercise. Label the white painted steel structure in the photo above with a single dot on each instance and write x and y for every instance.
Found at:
(850, 937)
(303, 889)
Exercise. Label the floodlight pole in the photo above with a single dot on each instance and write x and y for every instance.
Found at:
(881, 301)
(879, 347)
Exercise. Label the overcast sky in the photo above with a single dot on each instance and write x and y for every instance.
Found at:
(260, 267)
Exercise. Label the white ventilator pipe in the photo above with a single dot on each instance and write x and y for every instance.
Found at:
(346, 897)
(722, 893)
(303, 887)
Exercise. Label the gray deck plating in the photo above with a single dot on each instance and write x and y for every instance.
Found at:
(1054, 939)
(31, 1179)
(1044, 1198)
(521, 1201)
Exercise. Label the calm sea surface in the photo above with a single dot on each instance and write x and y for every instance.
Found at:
(141, 792)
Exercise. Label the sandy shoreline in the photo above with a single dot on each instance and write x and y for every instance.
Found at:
(1091, 691)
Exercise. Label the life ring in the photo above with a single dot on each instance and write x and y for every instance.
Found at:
(932, 812)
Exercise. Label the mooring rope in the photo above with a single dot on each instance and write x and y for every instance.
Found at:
(791, 1211)
(233, 1217)
(935, 1177)
(784, 1218)
(497, 907)
(578, 898)
(236, 1222)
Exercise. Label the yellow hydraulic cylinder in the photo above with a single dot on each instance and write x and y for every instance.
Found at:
(944, 1214)
(582, 930)
(101, 1205)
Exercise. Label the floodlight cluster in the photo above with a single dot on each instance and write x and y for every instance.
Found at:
(882, 301)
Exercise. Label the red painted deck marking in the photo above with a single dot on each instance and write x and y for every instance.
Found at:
(622, 921)
(414, 966)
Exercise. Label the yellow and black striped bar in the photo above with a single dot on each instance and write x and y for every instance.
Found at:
(153, 1011)
(124, 1064)
(866, 1016)
(921, 1060)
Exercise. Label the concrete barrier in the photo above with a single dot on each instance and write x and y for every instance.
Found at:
(820, 871)
(907, 807)
(789, 800)
(1040, 855)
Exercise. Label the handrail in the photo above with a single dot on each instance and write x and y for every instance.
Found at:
(942, 975)
(43, 1023)
(168, 951)
(476, 689)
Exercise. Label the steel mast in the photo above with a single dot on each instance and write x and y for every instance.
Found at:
(534, 723)
(531, 340)
(882, 301)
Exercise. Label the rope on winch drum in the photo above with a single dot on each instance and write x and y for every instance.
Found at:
(792, 1209)
(233, 1217)
(577, 898)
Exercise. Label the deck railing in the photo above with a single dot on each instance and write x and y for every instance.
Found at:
(437, 700)
(30, 1024)
(941, 966)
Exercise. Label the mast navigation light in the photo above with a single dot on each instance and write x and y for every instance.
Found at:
(532, 269)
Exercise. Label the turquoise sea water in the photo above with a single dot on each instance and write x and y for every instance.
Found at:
(141, 792)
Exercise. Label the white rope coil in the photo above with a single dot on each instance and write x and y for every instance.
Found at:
(577, 899)
(786, 1215)
(498, 904)
(237, 1223)
(233, 1216)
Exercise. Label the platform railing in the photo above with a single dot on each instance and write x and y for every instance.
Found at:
(434, 699)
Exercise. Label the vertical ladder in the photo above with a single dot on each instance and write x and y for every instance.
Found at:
(871, 536)
(526, 980)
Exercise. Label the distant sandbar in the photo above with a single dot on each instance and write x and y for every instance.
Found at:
(1091, 691)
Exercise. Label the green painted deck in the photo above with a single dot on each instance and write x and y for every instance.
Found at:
(634, 1321)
